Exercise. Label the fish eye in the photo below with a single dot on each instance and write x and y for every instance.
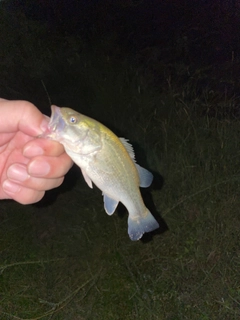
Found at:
(72, 119)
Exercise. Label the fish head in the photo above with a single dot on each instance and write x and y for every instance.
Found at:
(76, 132)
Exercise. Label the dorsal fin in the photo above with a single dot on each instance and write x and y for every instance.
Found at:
(145, 176)
(128, 147)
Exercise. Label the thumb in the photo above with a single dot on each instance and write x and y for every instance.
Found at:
(21, 116)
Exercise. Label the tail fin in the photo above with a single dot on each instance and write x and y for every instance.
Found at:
(136, 228)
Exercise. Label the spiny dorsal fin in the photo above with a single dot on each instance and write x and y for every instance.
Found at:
(145, 176)
(128, 147)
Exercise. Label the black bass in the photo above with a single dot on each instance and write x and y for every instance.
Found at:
(108, 162)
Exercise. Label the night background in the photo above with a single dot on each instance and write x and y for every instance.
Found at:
(165, 75)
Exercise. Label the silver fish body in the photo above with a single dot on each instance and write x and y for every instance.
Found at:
(108, 162)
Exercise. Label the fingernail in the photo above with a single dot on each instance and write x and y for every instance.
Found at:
(17, 172)
(11, 187)
(38, 168)
(32, 151)
(44, 124)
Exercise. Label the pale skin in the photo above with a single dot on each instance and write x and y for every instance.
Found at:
(28, 165)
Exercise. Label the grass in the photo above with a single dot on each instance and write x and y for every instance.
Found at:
(69, 260)
(64, 258)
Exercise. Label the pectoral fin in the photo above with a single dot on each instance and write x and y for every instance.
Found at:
(109, 204)
(87, 179)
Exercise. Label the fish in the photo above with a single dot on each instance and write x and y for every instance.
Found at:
(108, 162)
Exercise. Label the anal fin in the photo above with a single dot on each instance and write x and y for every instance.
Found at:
(110, 204)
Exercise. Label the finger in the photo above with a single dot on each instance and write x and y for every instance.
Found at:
(37, 172)
(23, 116)
(32, 183)
(17, 174)
(49, 167)
(44, 147)
(21, 194)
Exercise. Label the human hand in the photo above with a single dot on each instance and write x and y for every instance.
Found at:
(28, 165)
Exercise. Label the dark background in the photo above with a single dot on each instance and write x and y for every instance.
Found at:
(162, 38)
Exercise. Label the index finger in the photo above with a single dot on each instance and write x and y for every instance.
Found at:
(37, 147)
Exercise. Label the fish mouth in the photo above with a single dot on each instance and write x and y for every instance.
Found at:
(56, 124)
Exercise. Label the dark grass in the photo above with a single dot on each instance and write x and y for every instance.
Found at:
(68, 259)
(64, 258)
